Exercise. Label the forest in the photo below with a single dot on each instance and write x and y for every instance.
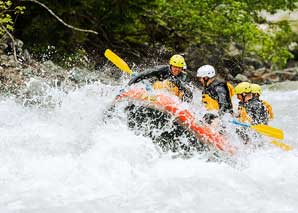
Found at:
(203, 30)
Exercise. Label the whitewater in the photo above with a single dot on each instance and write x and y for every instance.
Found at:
(65, 158)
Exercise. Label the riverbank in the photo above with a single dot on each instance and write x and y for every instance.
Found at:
(28, 77)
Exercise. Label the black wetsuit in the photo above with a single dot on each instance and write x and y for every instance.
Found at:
(219, 91)
(163, 73)
(258, 114)
(256, 110)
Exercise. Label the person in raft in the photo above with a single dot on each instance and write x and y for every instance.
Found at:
(250, 110)
(216, 94)
(171, 77)
(256, 91)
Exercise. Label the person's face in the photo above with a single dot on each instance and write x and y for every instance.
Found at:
(176, 70)
(240, 97)
(244, 97)
(205, 81)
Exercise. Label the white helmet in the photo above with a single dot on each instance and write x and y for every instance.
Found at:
(206, 71)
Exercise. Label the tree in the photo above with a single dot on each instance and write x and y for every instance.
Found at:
(6, 22)
(133, 26)
(6, 9)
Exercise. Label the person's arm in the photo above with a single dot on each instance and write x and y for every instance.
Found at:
(185, 85)
(223, 100)
(153, 72)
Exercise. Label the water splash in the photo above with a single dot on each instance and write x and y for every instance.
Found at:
(66, 159)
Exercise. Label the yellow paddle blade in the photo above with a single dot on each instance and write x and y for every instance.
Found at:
(268, 131)
(282, 145)
(119, 62)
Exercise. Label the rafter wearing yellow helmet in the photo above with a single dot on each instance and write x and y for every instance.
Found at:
(256, 91)
(250, 110)
(169, 77)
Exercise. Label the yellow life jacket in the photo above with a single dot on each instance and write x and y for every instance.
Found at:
(243, 116)
(231, 89)
(212, 104)
(168, 86)
(269, 109)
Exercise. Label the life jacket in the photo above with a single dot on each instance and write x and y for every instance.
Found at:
(243, 116)
(269, 109)
(211, 103)
(168, 86)
(231, 89)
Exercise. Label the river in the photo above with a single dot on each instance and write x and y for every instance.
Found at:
(66, 159)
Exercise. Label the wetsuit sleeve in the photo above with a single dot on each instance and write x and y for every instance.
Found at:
(155, 72)
(223, 100)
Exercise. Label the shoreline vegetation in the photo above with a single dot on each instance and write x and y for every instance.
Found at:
(64, 43)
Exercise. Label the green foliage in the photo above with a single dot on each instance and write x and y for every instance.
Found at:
(273, 46)
(6, 8)
(177, 24)
(218, 23)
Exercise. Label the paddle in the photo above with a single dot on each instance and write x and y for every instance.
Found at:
(268, 131)
(263, 129)
(119, 62)
(282, 145)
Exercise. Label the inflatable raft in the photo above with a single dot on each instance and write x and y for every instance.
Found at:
(153, 112)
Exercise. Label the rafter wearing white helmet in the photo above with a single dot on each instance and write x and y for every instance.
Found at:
(206, 71)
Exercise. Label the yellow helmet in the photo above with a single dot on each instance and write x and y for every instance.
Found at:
(243, 87)
(256, 88)
(177, 61)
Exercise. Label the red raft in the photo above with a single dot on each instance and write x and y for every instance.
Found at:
(171, 105)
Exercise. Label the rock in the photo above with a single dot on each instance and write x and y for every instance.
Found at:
(19, 44)
(229, 77)
(278, 76)
(250, 68)
(51, 67)
(11, 80)
(3, 46)
(28, 71)
(11, 63)
(27, 57)
(8, 61)
(3, 59)
(241, 78)
(36, 87)
(248, 73)
(49, 70)
(261, 71)
(291, 69)
(270, 78)
(78, 75)
(256, 63)
(233, 50)
(286, 85)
